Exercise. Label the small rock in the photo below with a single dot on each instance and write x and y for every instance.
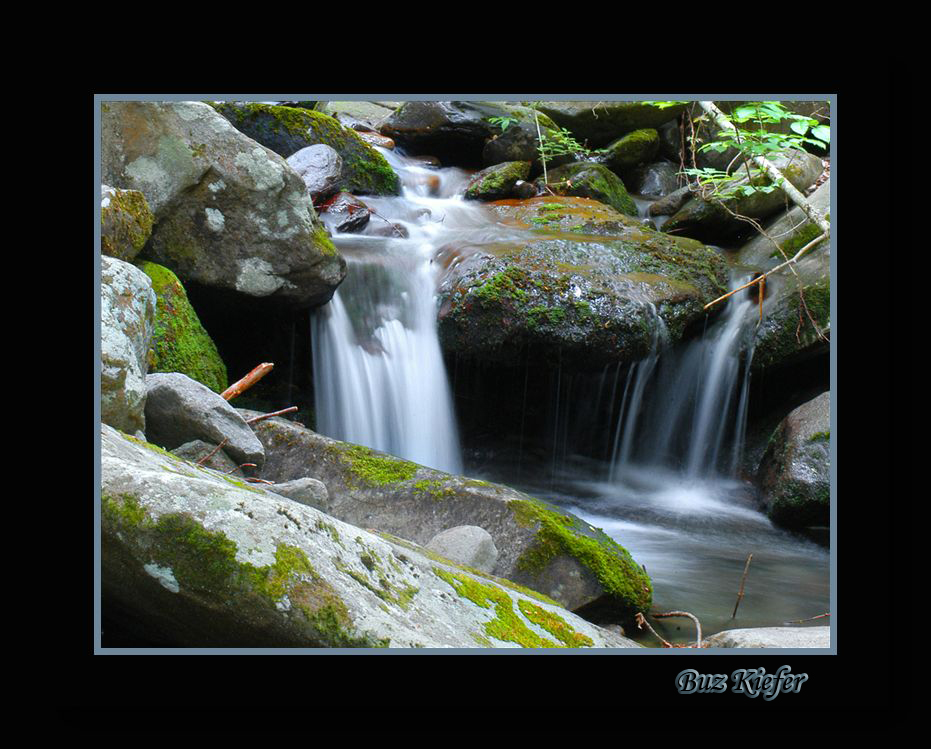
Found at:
(307, 491)
(196, 450)
(468, 545)
(344, 213)
(321, 168)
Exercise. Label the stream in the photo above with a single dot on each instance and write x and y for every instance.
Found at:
(665, 488)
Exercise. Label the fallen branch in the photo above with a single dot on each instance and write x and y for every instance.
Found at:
(810, 619)
(239, 387)
(213, 452)
(262, 417)
(641, 621)
(743, 579)
(790, 190)
(760, 279)
(690, 616)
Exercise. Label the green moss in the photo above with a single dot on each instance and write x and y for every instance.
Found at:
(554, 624)
(377, 580)
(801, 237)
(502, 286)
(434, 488)
(126, 224)
(558, 534)
(375, 469)
(820, 437)
(180, 343)
(204, 562)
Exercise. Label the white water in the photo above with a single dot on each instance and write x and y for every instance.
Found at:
(379, 375)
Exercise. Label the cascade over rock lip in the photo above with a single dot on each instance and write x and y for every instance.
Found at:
(540, 546)
(586, 286)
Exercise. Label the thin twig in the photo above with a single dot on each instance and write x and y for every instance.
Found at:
(810, 619)
(690, 616)
(240, 386)
(244, 465)
(743, 579)
(258, 481)
(262, 417)
(212, 452)
(641, 621)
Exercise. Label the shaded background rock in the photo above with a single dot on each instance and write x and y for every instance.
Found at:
(600, 122)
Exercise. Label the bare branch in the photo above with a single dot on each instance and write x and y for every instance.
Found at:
(239, 387)
(262, 417)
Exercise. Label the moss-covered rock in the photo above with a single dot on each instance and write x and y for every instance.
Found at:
(795, 472)
(589, 286)
(600, 122)
(539, 546)
(125, 223)
(180, 343)
(631, 150)
(497, 182)
(286, 130)
(590, 180)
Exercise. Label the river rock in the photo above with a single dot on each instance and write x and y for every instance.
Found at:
(285, 130)
(127, 322)
(468, 545)
(795, 472)
(180, 343)
(230, 214)
(307, 491)
(539, 546)
(179, 409)
(198, 450)
(497, 182)
(366, 113)
(772, 637)
(600, 122)
(345, 213)
(125, 222)
(466, 133)
(591, 286)
(630, 150)
(192, 558)
(654, 180)
(320, 167)
(709, 220)
(587, 179)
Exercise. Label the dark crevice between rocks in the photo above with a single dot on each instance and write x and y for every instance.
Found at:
(249, 332)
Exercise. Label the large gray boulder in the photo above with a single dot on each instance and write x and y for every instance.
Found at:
(539, 546)
(230, 213)
(179, 410)
(772, 637)
(127, 323)
(193, 558)
(795, 471)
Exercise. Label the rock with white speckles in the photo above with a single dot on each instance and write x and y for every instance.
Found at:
(127, 323)
(193, 558)
(229, 213)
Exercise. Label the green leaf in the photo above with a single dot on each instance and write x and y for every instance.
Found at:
(799, 127)
(822, 132)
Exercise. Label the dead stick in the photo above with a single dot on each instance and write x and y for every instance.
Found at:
(690, 616)
(641, 620)
(238, 388)
(262, 417)
(809, 619)
(212, 452)
(743, 579)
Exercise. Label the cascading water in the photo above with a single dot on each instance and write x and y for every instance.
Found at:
(379, 376)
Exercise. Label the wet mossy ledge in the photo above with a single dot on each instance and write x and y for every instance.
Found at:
(191, 559)
(540, 546)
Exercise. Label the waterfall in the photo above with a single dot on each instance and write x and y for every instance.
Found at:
(679, 409)
(379, 376)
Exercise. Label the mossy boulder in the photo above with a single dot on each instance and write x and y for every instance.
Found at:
(600, 122)
(193, 558)
(712, 219)
(539, 546)
(576, 282)
(180, 343)
(286, 130)
(230, 213)
(125, 222)
(497, 182)
(587, 179)
(630, 150)
(795, 472)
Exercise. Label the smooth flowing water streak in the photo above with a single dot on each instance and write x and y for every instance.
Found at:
(379, 376)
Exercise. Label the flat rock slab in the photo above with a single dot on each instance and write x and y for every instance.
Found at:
(193, 558)
(772, 637)
(539, 546)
